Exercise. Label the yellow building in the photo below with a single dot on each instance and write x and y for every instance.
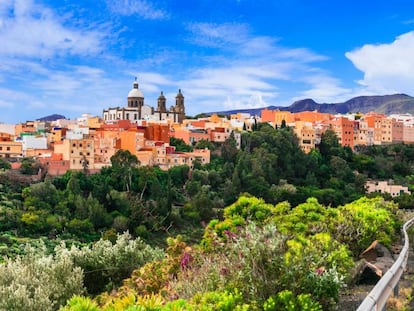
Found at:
(11, 149)
(306, 134)
(79, 152)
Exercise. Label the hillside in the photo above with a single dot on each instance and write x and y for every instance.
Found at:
(52, 117)
(387, 104)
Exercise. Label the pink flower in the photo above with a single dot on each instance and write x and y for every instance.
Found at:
(186, 260)
(224, 271)
(230, 234)
(320, 270)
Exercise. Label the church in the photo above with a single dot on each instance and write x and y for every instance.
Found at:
(136, 110)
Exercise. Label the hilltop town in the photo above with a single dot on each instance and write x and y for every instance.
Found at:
(90, 141)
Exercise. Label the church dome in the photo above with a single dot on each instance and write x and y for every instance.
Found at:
(135, 92)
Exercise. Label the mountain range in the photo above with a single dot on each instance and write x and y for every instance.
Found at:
(386, 104)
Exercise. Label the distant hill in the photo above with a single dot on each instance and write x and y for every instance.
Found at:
(387, 104)
(52, 117)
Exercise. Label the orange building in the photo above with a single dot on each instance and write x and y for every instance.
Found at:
(79, 152)
(312, 116)
(11, 149)
(344, 129)
(5, 137)
(364, 135)
(191, 136)
(397, 131)
(156, 132)
(56, 134)
(383, 131)
(275, 117)
(408, 134)
(306, 134)
(220, 134)
(28, 127)
(104, 147)
(55, 165)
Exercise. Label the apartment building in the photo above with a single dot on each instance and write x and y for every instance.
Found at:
(191, 135)
(275, 117)
(397, 131)
(344, 129)
(312, 116)
(306, 134)
(408, 134)
(56, 134)
(79, 152)
(11, 149)
(364, 135)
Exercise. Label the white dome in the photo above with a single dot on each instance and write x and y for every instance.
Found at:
(135, 92)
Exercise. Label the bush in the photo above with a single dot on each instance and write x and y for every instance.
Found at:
(105, 264)
(260, 262)
(38, 281)
(287, 301)
(363, 221)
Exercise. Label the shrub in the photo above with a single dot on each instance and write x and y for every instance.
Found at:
(105, 264)
(38, 281)
(287, 301)
(365, 220)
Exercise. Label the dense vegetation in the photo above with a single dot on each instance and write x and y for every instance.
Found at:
(294, 245)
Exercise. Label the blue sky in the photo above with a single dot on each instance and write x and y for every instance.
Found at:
(81, 56)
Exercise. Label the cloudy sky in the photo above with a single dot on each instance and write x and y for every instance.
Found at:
(80, 56)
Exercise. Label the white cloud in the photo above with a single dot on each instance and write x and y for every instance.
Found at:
(31, 30)
(218, 35)
(387, 68)
(323, 88)
(254, 101)
(143, 8)
(247, 69)
(5, 104)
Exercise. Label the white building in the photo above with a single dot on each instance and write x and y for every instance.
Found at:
(136, 110)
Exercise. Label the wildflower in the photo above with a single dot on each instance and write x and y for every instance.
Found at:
(320, 270)
(230, 234)
(186, 260)
(224, 271)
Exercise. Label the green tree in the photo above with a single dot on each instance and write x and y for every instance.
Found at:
(204, 143)
(329, 145)
(124, 164)
(29, 166)
(4, 164)
(180, 145)
(229, 149)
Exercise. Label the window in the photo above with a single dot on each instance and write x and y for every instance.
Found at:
(8, 148)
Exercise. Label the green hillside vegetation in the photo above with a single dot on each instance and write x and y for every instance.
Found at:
(260, 228)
